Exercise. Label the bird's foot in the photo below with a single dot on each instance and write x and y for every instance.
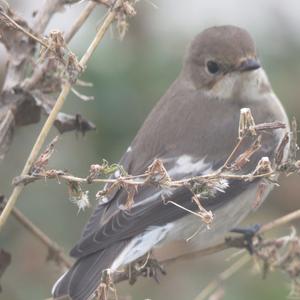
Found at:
(148, 267)
(152, 269)
(246, 241)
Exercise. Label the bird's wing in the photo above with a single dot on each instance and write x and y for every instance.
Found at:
(184, 140)
(111, 222)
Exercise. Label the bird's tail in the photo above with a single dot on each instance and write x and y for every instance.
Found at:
(81, 281)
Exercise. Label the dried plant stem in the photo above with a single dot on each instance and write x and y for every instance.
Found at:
(224, 245)
(213, 285)
(203, 252)
(45, 14)
(52, 116)
(106, 23)
(281, 221)
(35, 151)
(121, 276)
(40, 70)
(41, 236)
(130, 180)
(29, 34)
(80, 20)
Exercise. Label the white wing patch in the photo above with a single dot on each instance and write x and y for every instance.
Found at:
(180, 167)
(140, 245)
(186, 165)
(129, 149)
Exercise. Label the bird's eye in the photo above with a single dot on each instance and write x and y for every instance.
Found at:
(212, 67)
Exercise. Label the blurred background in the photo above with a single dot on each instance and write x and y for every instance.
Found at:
(129, 77)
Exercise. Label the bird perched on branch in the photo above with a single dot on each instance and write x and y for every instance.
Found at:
(192, 130)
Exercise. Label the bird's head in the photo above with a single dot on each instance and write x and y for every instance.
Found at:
(223, 60)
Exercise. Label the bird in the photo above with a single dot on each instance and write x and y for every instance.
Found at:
(192, 130)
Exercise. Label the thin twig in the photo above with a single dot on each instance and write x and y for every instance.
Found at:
(124, 275)
(121, 276)
(56, 174)
(280, 221)
(54, 249)
(225, 245)
(45, 14)
(100, 34)
(52, 116)
(41, 69)
(26, 32)
(80, 20)
(214, 284)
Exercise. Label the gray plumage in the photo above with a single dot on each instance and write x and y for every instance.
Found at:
(192, 129)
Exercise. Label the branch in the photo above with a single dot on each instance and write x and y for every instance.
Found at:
(56, 253)
(47, 11)
(281, 253)
(280, 221)
(261, 249)
(43, 68)
(26, 32)
(24, 98)
(214, 284)
(80, 20)
(227, 243)
(57, 107)
(156, 174)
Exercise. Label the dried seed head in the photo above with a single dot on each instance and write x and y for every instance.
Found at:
(73, 68)
(41, 163)
(77, 195)
(246, 124)
(129, 9)
(263, 167)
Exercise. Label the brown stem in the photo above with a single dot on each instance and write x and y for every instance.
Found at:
(52, 116)
(54, 249)
(26, 32)
(45, 14)
(121, 276)
(214, 284)
(80, 20)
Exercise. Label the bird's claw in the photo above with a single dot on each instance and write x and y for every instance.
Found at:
(151, 269)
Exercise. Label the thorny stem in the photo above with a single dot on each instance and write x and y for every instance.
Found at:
(52, 116)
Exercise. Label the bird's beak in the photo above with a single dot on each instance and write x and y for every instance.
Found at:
(249, 64)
